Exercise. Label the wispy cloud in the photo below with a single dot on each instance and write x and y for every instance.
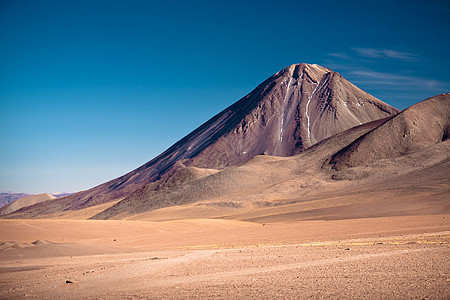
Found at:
(395, 76)
(339, 55)
(389, 79)
(385, 53)
(356, 63)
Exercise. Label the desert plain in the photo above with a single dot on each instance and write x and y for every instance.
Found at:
(380, 257)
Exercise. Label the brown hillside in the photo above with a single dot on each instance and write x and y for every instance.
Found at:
(413, 175)
(418, 127)
(240, 186)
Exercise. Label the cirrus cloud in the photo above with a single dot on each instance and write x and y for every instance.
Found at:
(385, 53)
(390, 79)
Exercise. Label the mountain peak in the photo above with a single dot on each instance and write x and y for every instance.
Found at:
(301, 70)
(289, 112)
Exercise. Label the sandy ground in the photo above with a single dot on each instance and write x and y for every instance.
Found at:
(392, 257)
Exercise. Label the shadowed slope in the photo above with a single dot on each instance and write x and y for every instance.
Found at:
(418, 127)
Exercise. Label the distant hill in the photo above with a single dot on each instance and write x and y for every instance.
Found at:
(6, 198)
(60, 195)
(24, 202)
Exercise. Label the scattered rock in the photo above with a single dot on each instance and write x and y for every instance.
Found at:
(69, 282)
(87, 272)
(40, 242)
(347, 249)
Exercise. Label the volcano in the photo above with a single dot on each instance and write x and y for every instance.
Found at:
(393, 166)
(294, 109)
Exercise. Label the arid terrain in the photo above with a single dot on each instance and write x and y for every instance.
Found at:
(308, 187)
(391, 257)
(25, 201)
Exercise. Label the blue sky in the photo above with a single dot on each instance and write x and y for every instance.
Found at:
(90, 90)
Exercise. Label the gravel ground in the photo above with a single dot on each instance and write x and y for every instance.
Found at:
(402, 267)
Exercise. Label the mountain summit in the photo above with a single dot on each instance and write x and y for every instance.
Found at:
(289, 112)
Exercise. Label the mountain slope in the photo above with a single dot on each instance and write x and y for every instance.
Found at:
(267, 188)
(420, 126)
(289, 112)
(237, 182)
